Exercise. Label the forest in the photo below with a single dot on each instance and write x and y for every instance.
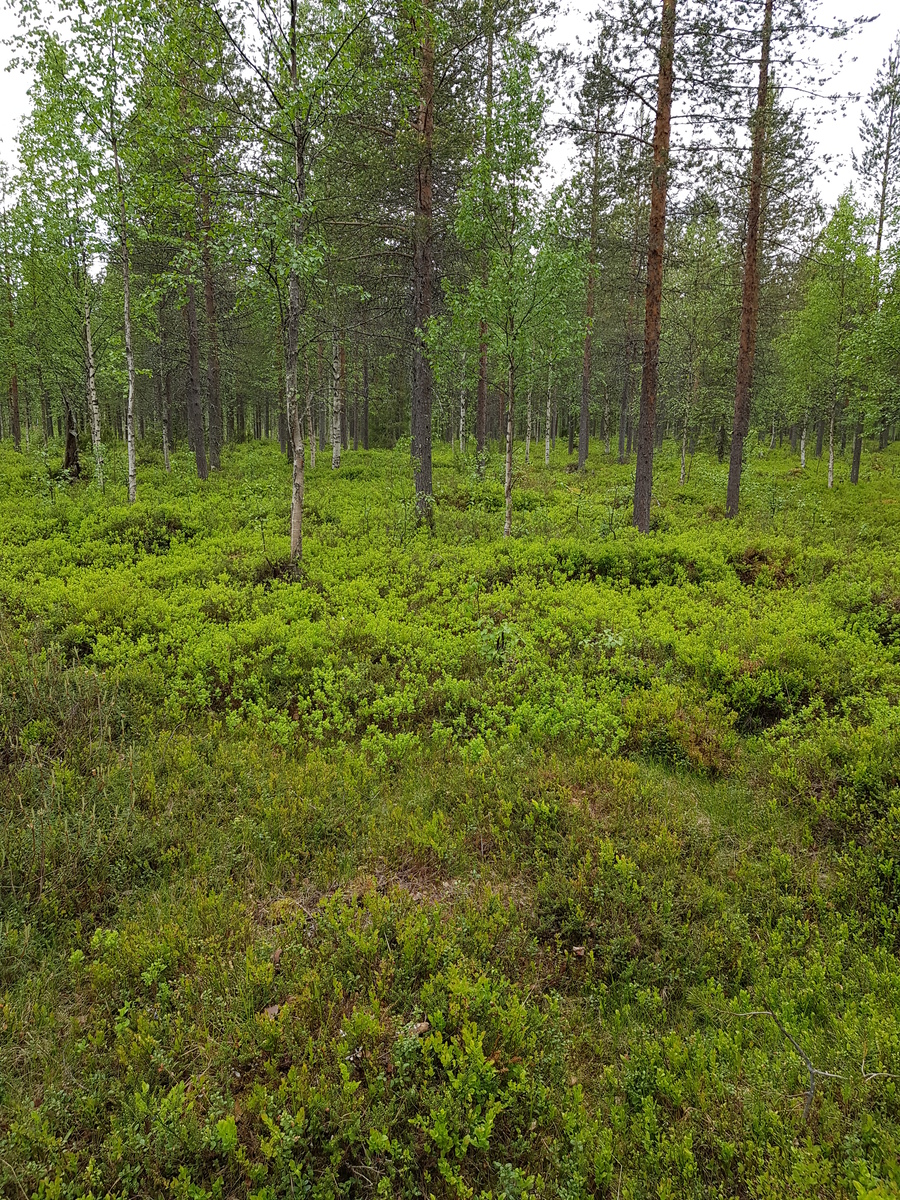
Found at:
(449, 603)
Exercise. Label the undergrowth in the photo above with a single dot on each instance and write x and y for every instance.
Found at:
(454, 867)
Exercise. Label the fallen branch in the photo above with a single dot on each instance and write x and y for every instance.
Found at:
(814, 1072)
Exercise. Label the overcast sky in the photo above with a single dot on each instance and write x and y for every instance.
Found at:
(864, 53)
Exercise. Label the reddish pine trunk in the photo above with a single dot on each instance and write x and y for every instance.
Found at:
(481, 394)
(643, 482)
(292, 340)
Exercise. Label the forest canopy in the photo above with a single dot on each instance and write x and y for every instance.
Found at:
(328, 222)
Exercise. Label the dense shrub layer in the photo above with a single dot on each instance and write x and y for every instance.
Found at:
(452, 867)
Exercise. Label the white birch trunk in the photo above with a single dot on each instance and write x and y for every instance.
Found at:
(528, 428)
(310, 430)
(297, 488)
(803, 446)
(507, 527)
(93, 403)
(548, 422)
(129, 348)
(297, 479)
(462, 409)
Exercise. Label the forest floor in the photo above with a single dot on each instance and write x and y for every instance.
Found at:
(561, 867)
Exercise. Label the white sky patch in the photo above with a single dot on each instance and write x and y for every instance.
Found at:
(864, 53)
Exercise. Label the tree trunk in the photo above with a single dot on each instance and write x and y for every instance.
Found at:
(161, 405)
(213, 372)
(195, 405)
(336, 402)
(129, 348)
(15, 421)
(750, 297)
(689, 409)
(857, 451)
(528, 425)
(548, 424)
(91, 373)
(481, 397)
(292, 341)
(585, 411)
(295, 428)
(507, 526)
(623, 409)
(322, 406)
(355, 418)
(831, 448)
(167, 418)
(71, 462)
(643, 481)
(310, 418)
(240, 416)
(344, 392)
(365, 408)
(462, 408)
(422, 387)
(803, 446)
(45, 404)
(885, 189)
(584, 430)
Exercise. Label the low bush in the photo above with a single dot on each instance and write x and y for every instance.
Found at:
(454, 867)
